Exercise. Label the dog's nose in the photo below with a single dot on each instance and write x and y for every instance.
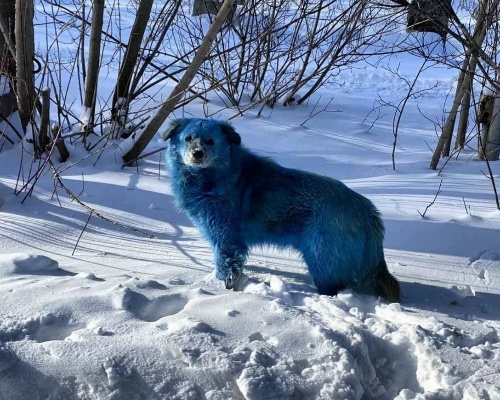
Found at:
(198, 154)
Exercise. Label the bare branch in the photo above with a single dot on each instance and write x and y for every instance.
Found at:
(74, 198)
(432, 202)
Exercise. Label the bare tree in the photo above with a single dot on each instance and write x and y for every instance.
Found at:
(465, 83)
(182, 87)
(25, 49)
(475, 56)
(490, 147)
(284, 48)
(8, 102)
(94, 58)
(121, 93)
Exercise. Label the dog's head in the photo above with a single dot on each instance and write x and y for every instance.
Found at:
(201, 143)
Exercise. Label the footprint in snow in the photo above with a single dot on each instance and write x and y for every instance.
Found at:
(144, 284)
(41, 329)
(149, 310)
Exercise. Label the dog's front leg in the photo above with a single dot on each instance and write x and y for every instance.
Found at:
(230, 251)
(229, 263)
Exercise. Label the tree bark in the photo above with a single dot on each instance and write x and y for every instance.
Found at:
(492, 146)
(463, 121)
(93, 64)
(25, 50)
(449, 125)
(43, 139)
(8, 101)
(59, 142)
(131, 55)
(180, 89)
(7, 49)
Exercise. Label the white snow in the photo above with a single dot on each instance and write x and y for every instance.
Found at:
(85, 116)
(109, 313)
(134, 318)
(4, 85)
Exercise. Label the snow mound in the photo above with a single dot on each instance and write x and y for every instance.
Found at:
(122, 336)
(21, 263)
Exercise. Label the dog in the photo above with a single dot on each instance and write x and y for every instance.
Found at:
(239, 199)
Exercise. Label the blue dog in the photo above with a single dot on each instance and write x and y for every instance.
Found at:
(238, 200)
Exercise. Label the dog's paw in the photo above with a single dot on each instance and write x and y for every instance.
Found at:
(230, 280)
(241, 283)
(233, 279)
(214, 282)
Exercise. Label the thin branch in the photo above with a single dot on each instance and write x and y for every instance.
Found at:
(491, 178)
(92, 210)
(144, 156)
(432, 202)
(81, 233)
(465, 206)
(313, 114)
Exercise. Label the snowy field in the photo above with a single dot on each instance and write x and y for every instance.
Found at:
(100, 312)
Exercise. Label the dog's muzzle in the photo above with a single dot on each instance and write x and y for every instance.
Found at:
(196, 155)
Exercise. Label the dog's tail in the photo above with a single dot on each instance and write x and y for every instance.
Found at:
(386, 285)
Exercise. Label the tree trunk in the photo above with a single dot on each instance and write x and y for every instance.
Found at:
(25, 50)
(450, 121)
(463, 122)
(7, 49)
(443, 145)
(290, 98)
(492, 146)
(43, 139)
(131, 56)
(8, 101)
(452, 116)
(93, 65)
(180, 89)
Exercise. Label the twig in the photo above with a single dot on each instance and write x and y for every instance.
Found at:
(490, 172)
(90, 209)
(455, 151)
(35, 177)
(127, 164)
(5, 31)
(402, 105)
(159, 167)
(432, 202)
(87, 156)
(12, 127)
(4, 135)
(313, 114)
(465, 206)
(81, 233)
(59, 143)
(377, 118)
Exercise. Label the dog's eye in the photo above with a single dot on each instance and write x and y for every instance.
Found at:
(188, 138)
(209, 141)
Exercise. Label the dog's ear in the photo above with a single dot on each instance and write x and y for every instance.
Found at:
(231, 135)
(173, 129)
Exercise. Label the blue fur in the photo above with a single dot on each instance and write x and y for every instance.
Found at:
(239, 200)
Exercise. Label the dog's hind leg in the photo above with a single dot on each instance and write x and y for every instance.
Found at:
(325, 262)
(385, 285)
(324, 281)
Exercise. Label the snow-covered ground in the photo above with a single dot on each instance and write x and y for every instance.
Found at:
(96, 311)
